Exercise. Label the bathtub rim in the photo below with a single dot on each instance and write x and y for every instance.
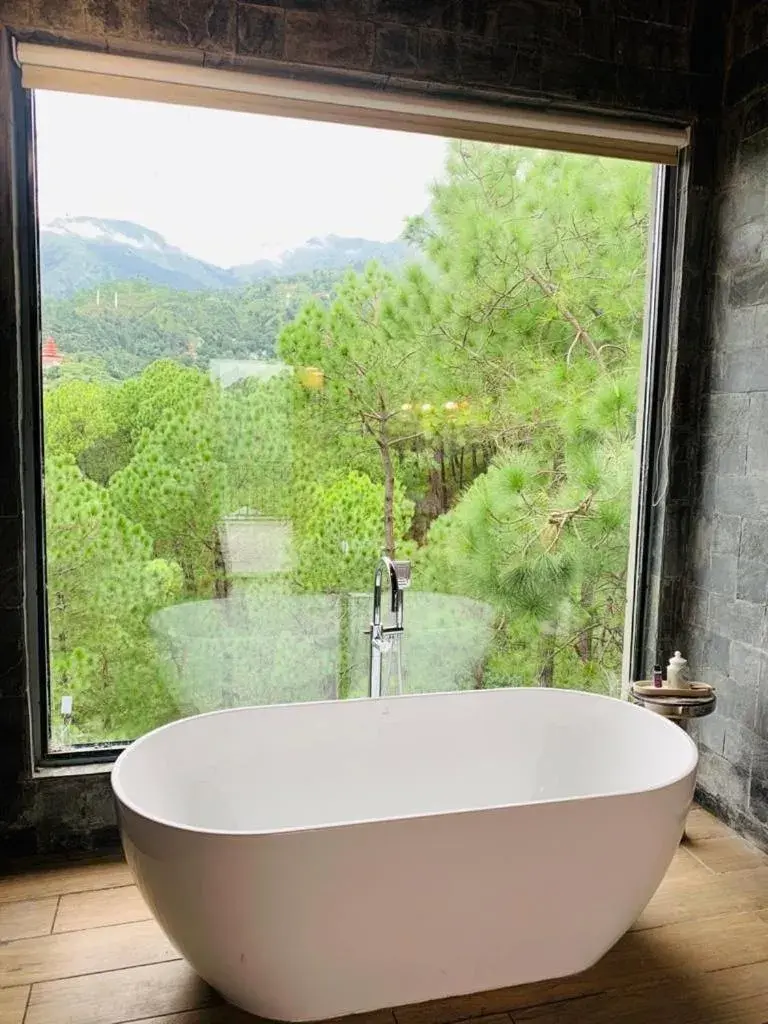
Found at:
(130, 805)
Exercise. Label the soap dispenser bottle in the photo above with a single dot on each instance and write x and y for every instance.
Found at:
(678, 674)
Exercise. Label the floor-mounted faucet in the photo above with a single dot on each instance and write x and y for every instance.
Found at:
(383, 637)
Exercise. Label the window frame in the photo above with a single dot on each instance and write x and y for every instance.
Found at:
(654, 369)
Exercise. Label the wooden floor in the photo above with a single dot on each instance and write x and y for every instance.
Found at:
(78, 946)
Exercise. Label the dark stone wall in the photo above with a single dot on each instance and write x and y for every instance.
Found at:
(629, 55)
(724, 614)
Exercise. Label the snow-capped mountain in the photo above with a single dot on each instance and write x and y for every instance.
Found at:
(82, 252)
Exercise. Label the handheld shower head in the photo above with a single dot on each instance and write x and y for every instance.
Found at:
(402, 573)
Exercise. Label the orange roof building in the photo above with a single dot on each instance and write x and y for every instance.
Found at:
(50, 353)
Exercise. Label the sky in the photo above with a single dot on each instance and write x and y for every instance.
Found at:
(227, 187)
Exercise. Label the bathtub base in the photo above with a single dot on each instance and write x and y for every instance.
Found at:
(329, 923)
(291, 1017)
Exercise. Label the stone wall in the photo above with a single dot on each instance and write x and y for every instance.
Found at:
(725, 616)
(656, 58)
(632, 55)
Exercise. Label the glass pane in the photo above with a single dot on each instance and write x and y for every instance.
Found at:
(275, 351)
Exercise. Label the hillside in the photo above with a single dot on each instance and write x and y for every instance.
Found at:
(116, 332)
(80, 253)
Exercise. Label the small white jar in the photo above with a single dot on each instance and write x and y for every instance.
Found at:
(678, 673)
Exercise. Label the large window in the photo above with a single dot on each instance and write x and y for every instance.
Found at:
(274, 350)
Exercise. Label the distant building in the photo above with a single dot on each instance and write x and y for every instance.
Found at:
(50, 354)
(230, 371)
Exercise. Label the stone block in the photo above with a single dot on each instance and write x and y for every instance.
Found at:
(752, 584)
(737, 694)
(442, 14)
(724, 781)
(755, 123)
(758, 788)
(760, 325)
(739, 745)
(736, 328)
(200, 24)
(726, 534)
(761, 712)
(740, 495)
(348, 8)
(744, 247)
(738, 620)
(325, 39)
(652, 45)
(702, 530)
(708, 652)
(749, 284)
(260, 31)
(536, 26)
(723, 575)
(439, 55)
(757, 443)
(758, 796)
(747, 75)
(110, 17)
(695, 606)
(63, 15)
(725, 455)
(485, 65)
(709, 732)
(397, 50)
(742, 371)
(753, 545)
(571, 75)
(666, 12)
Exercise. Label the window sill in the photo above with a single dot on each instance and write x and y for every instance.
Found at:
(69, 770)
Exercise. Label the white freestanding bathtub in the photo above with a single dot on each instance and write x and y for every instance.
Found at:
(316, 860)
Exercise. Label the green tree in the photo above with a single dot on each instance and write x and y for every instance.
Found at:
(77, 413)
(368, 363)
(339, 532)
(103, 586)
(540, 302)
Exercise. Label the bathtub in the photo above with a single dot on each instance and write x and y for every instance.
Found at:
(322, 859)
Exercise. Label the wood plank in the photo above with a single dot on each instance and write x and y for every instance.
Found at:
(57, 881)
(671, 951)
(100, 908)
(692, 900)
(703, 825)
(129, 995)
(224, 1014)
(27, 918)
(64, 955)
(730, 853)
(737, 995)
(13, 1003)
(685, 866)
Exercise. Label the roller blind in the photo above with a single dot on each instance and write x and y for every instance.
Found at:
(103, 74)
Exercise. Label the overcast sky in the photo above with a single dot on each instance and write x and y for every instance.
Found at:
(227, 187)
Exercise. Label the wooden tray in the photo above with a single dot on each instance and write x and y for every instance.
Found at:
(646, 689)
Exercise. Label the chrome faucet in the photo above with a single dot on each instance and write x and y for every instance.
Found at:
(383, 637)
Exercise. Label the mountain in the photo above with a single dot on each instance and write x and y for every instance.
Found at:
(329, 253)
(78, 253)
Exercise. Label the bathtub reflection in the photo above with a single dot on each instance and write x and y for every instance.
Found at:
(273, 648)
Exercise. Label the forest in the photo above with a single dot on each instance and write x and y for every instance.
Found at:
(473, 411)
(114, 331)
